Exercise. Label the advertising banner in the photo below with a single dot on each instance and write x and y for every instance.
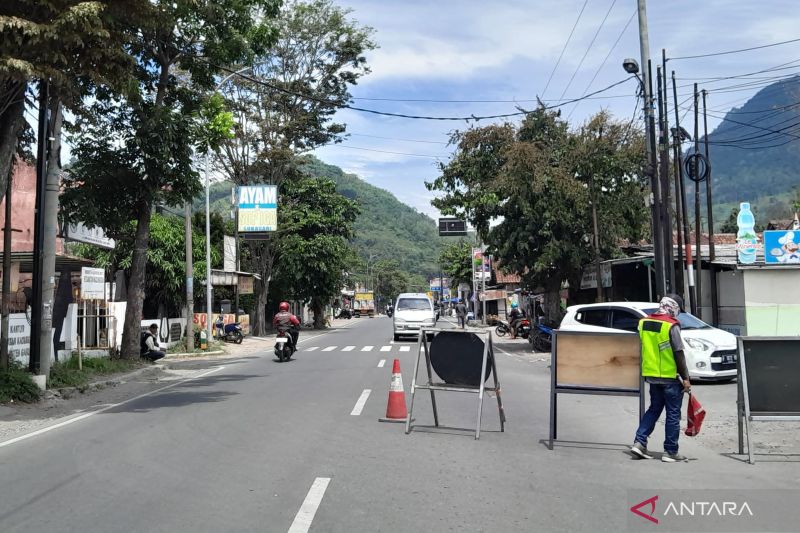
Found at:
(481, 265)
(782, 247)
(93, 283)
(258, 208)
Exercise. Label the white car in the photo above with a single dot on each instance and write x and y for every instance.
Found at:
(412, 311)
(710, 352)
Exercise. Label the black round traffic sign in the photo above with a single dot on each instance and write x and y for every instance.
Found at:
(457, 358)
(703, 167)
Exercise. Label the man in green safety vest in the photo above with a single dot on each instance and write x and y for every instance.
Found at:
(664, 369)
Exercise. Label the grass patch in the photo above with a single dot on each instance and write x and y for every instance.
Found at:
(66, 374)
(16, 384)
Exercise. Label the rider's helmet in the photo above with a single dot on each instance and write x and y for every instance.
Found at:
(283, 307)
(514, 305)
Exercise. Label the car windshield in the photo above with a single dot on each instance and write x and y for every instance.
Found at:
(687, 321)
(420, 304)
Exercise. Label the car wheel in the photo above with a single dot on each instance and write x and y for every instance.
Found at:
(396, 337)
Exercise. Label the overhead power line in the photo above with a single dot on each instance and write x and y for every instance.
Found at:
(605, 60)
(396, 138)
(726, 52)
(589, 48)
(564, 49)
(387, 151)
(341, 105)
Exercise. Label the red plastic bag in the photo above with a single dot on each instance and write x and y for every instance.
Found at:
(695, 414)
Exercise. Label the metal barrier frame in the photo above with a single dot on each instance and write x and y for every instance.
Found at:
(744, 414)
(556, 389)
(422, 347)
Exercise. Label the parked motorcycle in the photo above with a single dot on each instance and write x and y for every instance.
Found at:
(284, 346)
(523, 328)
(229, 332)
(541, 338)
(344, 313)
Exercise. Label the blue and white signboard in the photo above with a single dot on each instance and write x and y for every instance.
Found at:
(258, 208)
(782, 246)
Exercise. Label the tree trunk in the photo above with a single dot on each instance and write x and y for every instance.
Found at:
(552, 299)
(133, 312)
(319, 313)
(259, 326)
(11, 122)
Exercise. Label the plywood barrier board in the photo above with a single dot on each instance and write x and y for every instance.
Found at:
(597, 360)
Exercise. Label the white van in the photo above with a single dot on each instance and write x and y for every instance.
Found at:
(411, 312)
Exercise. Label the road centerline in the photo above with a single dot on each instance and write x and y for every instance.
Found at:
(308, 509)
(381, 363)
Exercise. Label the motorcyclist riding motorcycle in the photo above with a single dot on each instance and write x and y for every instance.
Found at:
(284, 322)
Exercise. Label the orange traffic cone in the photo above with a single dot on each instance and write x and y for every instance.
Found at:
(396, 406)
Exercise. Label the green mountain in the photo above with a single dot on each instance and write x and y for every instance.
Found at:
(755, 153)
(386, 227)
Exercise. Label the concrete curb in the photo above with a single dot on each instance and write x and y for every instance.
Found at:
(68, 392)
(194, 354)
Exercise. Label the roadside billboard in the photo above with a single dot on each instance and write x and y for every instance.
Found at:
(782, 247)
(481, 265)
(258, 208)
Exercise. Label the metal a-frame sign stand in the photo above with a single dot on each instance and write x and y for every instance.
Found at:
(424, 348)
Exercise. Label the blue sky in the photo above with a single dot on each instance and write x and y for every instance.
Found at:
(506, 50)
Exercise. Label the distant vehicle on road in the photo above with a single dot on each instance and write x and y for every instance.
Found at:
(412, 311)
(710, 352)
(364, 304)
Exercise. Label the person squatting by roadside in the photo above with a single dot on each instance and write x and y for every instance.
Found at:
(148, 343)
(664, 369)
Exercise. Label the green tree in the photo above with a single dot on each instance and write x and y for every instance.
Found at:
(527, 191)
(456, 262)
(286, 107)
(391, 280)
(137, 148)
(316, 223)
(165, 273)
(72, 44)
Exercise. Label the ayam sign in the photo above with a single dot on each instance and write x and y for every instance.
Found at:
(258, 208)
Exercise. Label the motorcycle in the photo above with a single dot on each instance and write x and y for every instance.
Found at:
(389, 311)
(344, 313)
(541, 338)
(284, 346)
(523, 328)
(229, 332)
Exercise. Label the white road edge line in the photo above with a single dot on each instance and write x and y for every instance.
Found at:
(106, 408)
(381, 363)
(305, 516)
(360, 403)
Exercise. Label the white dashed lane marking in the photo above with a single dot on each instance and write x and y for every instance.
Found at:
(367, 348)
(360, 403)
(405, 348)
(311, 349)
(348, 348)
(386, 348)
(329, 348)
(381, 363)
(305, 516)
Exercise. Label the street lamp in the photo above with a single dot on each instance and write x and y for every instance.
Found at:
(631, 66)
(209, 287)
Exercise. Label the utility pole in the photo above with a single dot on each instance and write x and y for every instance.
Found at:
(687, 237)
(597, 267)
(209, 288)
(6, 273)
(697, 223)
(236, 251)
(187, 211)
(711, 245)
(38, 228)
(644, 45)
(669, 259)
(680, 278)
(50, 234)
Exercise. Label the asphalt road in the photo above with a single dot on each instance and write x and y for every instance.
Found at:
(252, 445)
